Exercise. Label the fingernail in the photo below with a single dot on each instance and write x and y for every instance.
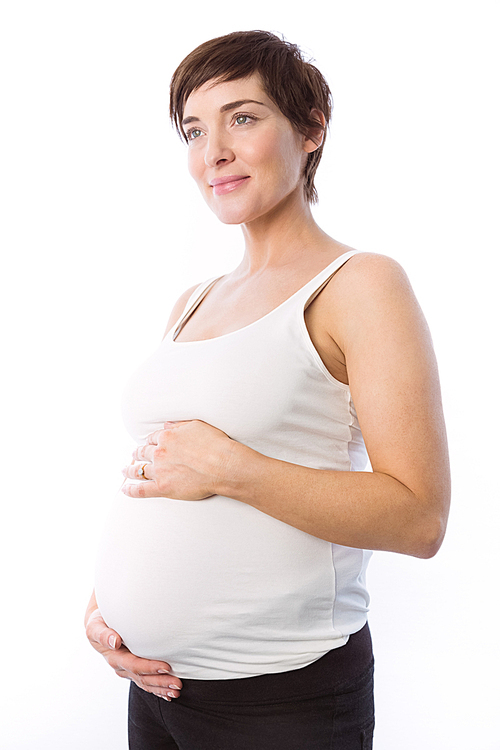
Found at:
(163, 671)
(174, 687)
(172, 695)
(112, 641)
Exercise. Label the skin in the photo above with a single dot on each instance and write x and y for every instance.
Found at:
(367, 327)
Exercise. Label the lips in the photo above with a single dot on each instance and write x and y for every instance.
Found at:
(222, 185)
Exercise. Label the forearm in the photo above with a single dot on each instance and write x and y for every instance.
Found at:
(369, 510)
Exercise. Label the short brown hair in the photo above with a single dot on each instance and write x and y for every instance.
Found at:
(294, 85)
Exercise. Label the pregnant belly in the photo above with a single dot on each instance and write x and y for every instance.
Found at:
(201, 583)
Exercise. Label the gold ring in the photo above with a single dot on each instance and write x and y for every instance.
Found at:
(141, 470)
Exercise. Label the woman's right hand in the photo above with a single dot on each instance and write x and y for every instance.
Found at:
(152, 676)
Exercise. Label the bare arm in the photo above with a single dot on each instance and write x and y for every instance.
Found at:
(403, 505)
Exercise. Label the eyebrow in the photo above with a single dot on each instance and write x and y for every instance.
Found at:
(225, 108)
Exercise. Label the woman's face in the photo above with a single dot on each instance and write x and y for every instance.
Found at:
(243, 152)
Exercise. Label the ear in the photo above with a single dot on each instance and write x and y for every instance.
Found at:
(314, 138)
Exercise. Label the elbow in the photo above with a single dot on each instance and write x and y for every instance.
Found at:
(430, 547)
(431, 537)
(430, 529)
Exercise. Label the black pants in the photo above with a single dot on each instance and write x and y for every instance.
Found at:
(325, 706)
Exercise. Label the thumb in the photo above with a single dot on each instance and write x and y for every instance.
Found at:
(111, 638)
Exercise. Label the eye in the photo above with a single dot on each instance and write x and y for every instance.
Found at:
(244, 119)
(193, 133)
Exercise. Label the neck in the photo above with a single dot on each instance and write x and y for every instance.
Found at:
(281, 236)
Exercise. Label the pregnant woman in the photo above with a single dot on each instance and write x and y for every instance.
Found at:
(230, 586)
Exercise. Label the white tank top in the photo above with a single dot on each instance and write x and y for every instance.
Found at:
(217, 588)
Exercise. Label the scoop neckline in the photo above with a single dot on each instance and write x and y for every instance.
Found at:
(212, 282)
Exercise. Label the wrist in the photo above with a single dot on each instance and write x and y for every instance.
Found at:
(241, 467)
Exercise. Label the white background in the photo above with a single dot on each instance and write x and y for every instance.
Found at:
(102, 230)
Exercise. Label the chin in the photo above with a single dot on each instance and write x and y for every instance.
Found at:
(236, 214)
(241, 214)
(231, 220)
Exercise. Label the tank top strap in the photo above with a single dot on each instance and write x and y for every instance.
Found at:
(308, 293)
(193, 302)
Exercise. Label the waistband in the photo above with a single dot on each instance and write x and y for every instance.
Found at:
(324, 676)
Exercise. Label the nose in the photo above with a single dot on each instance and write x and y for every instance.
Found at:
(218, 150)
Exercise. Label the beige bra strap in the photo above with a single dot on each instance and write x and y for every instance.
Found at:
(199, 296)
(317, 291)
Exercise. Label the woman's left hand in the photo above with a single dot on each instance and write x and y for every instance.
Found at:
(184, 461)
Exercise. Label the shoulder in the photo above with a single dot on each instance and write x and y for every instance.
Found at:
(367, 291)
(179, 306)
(370, 272)
(367, 303)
